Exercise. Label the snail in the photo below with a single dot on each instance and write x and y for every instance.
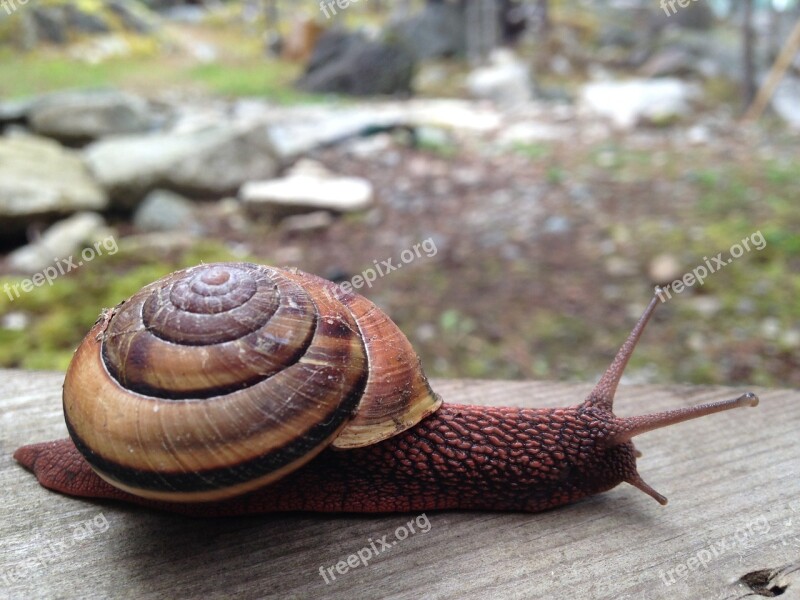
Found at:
(236, 388)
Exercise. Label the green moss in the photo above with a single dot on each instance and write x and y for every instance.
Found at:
(533, 150)
(271, 80)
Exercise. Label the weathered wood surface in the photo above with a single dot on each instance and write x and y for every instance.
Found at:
(733, 481)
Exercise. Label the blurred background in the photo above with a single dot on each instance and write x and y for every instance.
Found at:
(550, 160)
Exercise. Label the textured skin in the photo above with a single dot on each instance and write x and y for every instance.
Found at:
(461, 457)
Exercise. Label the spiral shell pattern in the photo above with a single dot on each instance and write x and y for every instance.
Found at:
(219, 379)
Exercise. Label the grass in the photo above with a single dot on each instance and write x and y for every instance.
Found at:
(23, 75)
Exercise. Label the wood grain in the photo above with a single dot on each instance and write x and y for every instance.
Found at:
(733, 481)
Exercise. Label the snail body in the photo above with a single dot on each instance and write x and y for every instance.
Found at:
(235, 388)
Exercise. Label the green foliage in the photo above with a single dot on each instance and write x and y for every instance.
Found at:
(267, 79)
(29, 74)
(533, 150)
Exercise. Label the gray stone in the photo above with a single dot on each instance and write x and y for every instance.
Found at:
(163, 210)
(134, 16)
(306, 223)
(41, 179)
(557, 224)
(67, 21)
(786, 101)
(705, 305)
(664, 269)
(210, 163)
(295, 137)
(632, 102)
(438, 31)
(693, 15)
(505, 81)
(308, 187)
(711, 54)
(78, 116)
(351, 64)
(670, 62)
(85, 22)
(14, 112)
(15, 321)
(51, 23)
(58, 243)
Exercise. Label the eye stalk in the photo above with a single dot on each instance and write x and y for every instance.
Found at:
(623, 429)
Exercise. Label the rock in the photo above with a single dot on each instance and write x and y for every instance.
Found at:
(698, 135)
(14, 112)
(65, 21)
(351, 64)
(179, 12)
(15, 321)
(134, 16)
(163, 210)
(458, 115)
(692, 15)
(82, 21)
(704, 305)
(557, 224)
(40, 179)
(434, 137)
(532, 132)
(331, 45)
(438, 31)
(629, 103)
(670, 62)
(295, 137)
(210, 163)
(80, 116)
(50, 23)
(430, 78)
(704, 54)
(786, 101)
(158, 242)
(618, 266)
(98, 49)
(790, 339)
(313, 221)
(664, 269)
(308, 187)
(58, 243)
(771, 328)
(505, 81)
(370, 147)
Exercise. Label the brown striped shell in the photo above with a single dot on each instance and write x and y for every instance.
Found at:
(221, 378)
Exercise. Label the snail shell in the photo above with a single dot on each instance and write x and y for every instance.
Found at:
(219, 379)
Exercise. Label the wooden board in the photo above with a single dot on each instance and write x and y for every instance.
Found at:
(733, 481)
